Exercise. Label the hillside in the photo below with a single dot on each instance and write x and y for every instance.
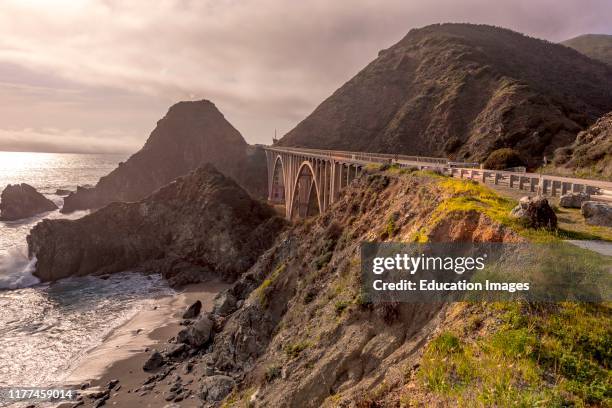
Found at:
(463, 91)
(190, 135)
(596, 46)
(297, 331)
(591, 153)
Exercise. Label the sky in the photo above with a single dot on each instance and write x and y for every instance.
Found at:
(96, 75)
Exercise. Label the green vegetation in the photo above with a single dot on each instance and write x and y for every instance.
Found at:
(272, 373)
(540, 355)
(467, 195)
(390, 228)
(262, 291)
(292, 350)
(505, 158)
(340, 306)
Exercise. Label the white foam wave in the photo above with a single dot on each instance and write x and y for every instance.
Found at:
(16, 269)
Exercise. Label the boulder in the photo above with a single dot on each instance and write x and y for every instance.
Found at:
(176, 350)
(597, 213)
(225, 303)
(573, 200)
(155, 361)
(197, 334)
(22, 201)
(535, 212)
(193, 310)
(216, 387)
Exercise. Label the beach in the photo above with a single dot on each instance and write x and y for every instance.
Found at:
(122, 354)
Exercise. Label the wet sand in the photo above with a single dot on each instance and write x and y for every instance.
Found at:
(123, 353)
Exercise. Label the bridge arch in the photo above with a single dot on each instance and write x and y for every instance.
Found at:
(305, 200)
(279, 181)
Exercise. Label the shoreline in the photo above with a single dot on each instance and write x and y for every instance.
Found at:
(123, 352)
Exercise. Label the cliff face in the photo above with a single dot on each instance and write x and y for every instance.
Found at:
(303, 336)
(591, 153)
(462, 91)
(201, 224)
(190, 135)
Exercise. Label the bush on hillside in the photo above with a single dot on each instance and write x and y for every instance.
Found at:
(505, 158)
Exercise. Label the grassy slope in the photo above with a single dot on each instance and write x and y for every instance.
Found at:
(515, 354)
(596, 46)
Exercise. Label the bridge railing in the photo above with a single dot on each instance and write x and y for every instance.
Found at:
(362, 156)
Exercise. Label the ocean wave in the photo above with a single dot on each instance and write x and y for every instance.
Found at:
(16, 269)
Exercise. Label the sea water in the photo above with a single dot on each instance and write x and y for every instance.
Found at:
(45, 329)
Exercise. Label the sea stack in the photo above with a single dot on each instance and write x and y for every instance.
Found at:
(201, 225)
(22, 201)
(190, 135)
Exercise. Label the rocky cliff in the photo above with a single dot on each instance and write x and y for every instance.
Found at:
(198, 226)
(21, 201)
(300, 334)
(462, 91)
(591, 153)
(191, 134)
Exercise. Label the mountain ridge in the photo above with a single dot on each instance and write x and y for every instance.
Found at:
(462, 91)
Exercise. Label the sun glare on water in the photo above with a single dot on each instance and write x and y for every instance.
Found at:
(20, 161)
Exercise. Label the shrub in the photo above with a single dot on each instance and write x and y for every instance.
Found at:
(272, 373)
(294, 350)
(501, 159)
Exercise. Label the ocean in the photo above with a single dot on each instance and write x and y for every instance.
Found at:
(46, 329)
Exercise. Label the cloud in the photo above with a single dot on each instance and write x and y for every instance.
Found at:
(265, 63)
(69, 141)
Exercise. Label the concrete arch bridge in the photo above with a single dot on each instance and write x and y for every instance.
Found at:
(308, 181)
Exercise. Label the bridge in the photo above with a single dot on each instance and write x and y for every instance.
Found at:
(308, 181)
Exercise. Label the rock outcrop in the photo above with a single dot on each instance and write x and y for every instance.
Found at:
(535, 212)
(462, 91)
(190, 135)
(22, 201)
(202, 224)
(597, 213)
(590, 154)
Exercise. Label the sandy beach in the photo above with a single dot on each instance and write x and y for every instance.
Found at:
(122, 355)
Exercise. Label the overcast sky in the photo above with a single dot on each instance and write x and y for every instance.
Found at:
(96, 75)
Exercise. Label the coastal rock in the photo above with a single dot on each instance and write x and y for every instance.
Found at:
(216, 387)
(193, 310)
(535, 212)
(203, 221)
(62, 192)
(190, 135)
(573, 200)
(597, 213)
(197, 334)
(176, 350)
(19, 201)
(225, 303)
(155, 361)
